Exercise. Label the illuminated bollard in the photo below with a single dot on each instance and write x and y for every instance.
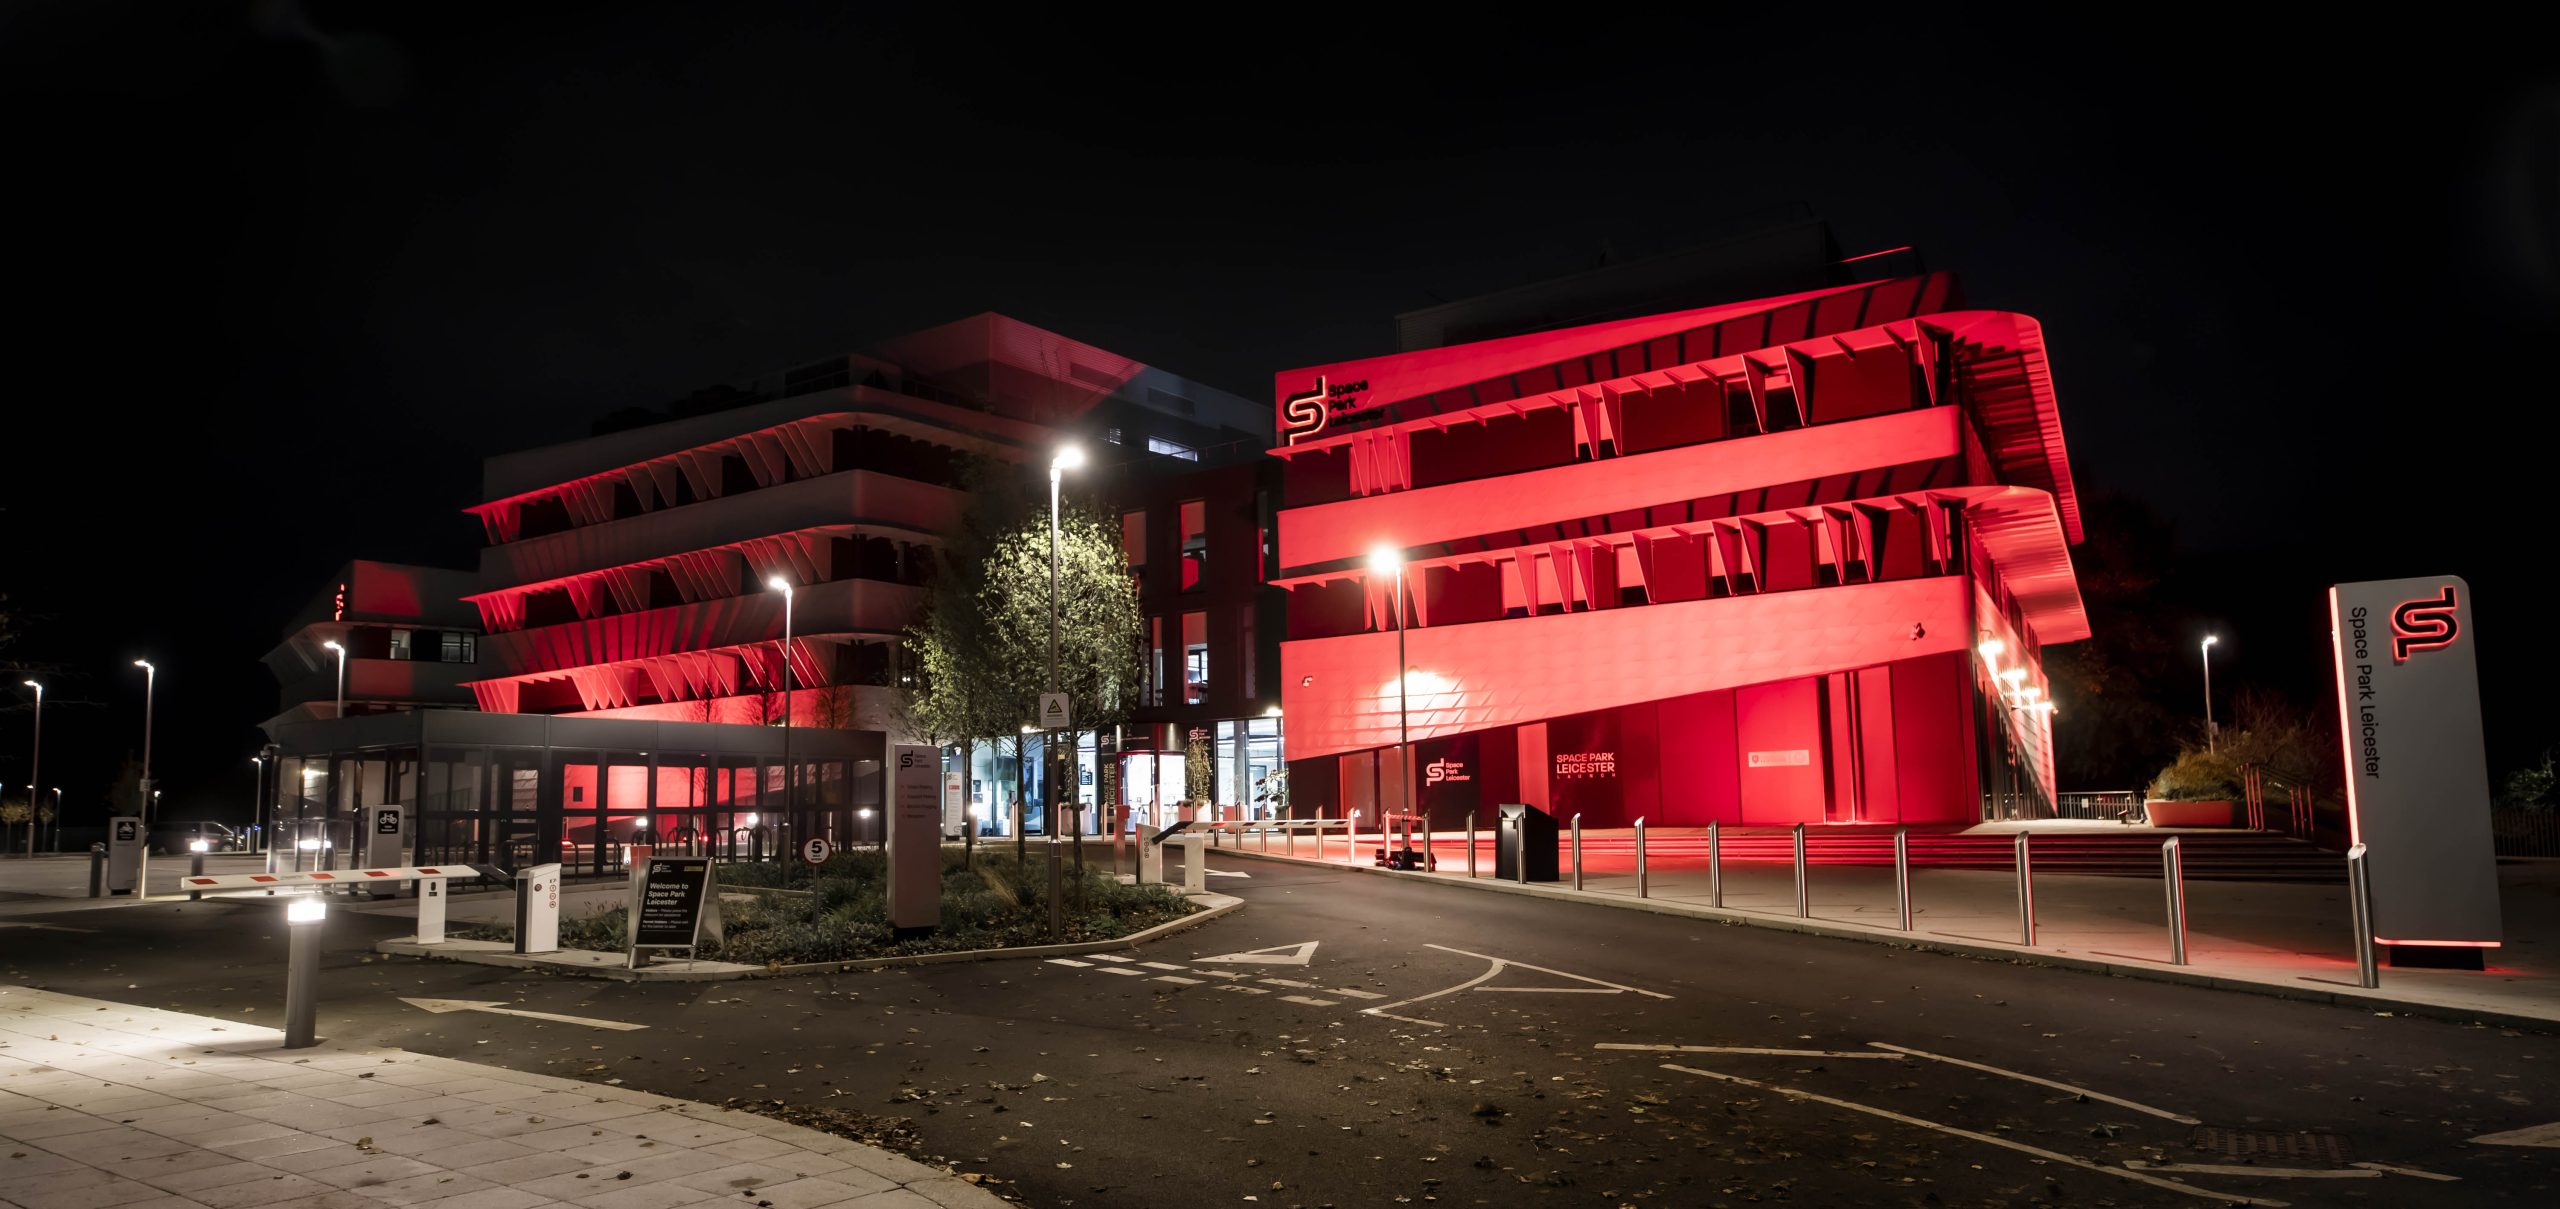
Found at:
(1804, 893)
(1471, 843)
(1902, 875)
(1715, 866)
(195, 867)
(1641, 888)
(303, 915)
(2360, 901)
(1577, 850)
(2026, 893)
(2173, 878)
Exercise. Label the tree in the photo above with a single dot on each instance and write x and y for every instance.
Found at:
(14, 812)
(1199, 768)
(981, 646)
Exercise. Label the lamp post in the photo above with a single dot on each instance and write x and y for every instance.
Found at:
(332, 644)
(257, 808)
(1062, 782)
(789, 799)
(150, 690)
(1387, 560)
(2207, 651)
(56, 791)
(35, 771)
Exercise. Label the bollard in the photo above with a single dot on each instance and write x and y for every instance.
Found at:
(2360, 902)
(2173, 876)
(1804, 893)
(195, 867)
(1902, 875)
(1577, 854)
(1427, 863)
(97, 870)
(1641, 888)
(1266, 837)
(303, 915)
(2026, 894)
(1715, 866)
(1293, 838)
(1471, 843)
(1057, 890)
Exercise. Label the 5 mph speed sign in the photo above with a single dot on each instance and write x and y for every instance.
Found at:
(816, 851)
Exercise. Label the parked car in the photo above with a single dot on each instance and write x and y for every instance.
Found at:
(172, 839)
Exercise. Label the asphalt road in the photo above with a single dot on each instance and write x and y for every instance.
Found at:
(1439, 1046)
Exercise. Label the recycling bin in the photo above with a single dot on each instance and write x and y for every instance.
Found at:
(1524, 844)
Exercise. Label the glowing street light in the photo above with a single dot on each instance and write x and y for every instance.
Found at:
(1070, 456)
(35, 770)
(1385, 559)
(790, 803)
(2206, 650)
(332, 645)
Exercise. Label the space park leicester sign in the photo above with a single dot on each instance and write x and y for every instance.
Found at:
(674, 901)
(2417, 775)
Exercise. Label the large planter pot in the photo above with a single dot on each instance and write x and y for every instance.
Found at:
(2190, 814)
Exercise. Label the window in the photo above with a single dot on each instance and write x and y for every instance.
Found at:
(1112, 435)
(400, 646)
(1195, 658)
(1172, 449)
(1195, 543)
(1133, 537)
(1155, 661)
(458, 646)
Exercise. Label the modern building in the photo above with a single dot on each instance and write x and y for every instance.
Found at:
(632, 673)
(410, 642)
(1786, 560)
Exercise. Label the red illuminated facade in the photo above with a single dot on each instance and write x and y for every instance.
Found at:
(411, 644)
(1788, 560)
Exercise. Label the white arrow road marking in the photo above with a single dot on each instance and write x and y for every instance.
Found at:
(1226, 873)
(2272, 1173)
(1746, 1049)
(2532, 1135)
(2056, 1084)
(2051, 1156)
(498, 1007)
(45, 927)
(2424, 1175)
(1496, 968)
(1277, 955)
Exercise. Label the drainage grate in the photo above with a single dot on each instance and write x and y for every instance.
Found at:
(2269, 1144)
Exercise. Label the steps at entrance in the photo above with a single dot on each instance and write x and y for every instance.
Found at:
(2232, 856)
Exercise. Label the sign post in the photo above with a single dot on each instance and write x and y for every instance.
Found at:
(124, 854)
(386, 838)
(2417, 774)
(669, 897)
(1054, 714)
(915, 839)
(538, 909)
(815, 850)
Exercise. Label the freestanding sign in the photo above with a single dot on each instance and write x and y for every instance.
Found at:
(386, 836)
(538, 909)
(124, 854)
(669, 896)
(2417, 776)
(915, 838)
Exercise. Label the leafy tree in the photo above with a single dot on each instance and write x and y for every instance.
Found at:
(1199, 769)
(2529, 788)
(15, 812)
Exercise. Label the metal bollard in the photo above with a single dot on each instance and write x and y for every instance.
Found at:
(2173, 877)
(2026, 893)
(1266, 837)
(303, 916)
(195, 868)
(1293, 841)
(1715, 866)
(1428, 864)
(1804, 894)
(1902, 875)
(1471, 842)
(2360, 898)
(97, 870)
(1641, 888)
(1577, 851)
(1057, 891)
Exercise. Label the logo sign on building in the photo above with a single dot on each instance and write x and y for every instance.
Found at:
(1445, 771)
(2417, 776)
(1308, 413)
(1584, 765)
(1054, 714)
(1796, 758)
(915, 838)
(668, 901)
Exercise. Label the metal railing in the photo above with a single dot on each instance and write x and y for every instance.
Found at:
(2111, 805)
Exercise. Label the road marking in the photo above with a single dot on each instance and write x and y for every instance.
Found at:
(1295, 955)
(2531, 1135)
(1111, 957)
(1178, 980)
(1307, 1001)
(1283, 982)
(498, 1007)
(1071, 963)
(1232, 986)
(1160, 965)
(1746, 1049)
(1495, 970)
(2424, 1175)
(1347, 991)
(45, 927)
(2052, 1083)
(1123, 971)
(2273, 1173)
(1222, 973)
(1225, 873)
(2054, 1156)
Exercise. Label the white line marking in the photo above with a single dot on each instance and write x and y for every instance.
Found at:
(2056, 1084)
(1124, 971)
(1349, 993)
(1406, 1019)
(1232, 986)
(1559, 990)
(2273, 1173)
(2531, 1135)
(496, 1007)
(1305, 1000)
(2424, 1175)
(1111, 957)
(1544, 970)
(1283, 982)
(1746, 1049)
(2004, 1143)
(1160, 965)
(1178, 980)
(1296, 955)
(1071, 963)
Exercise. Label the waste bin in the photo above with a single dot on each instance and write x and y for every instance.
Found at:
(1524, 844)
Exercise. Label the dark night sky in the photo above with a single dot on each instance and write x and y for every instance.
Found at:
(285, 273)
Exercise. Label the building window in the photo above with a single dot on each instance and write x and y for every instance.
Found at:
(1195, 658)
(1133, 537)
(1172, 449)
(1112, 435)
(1195, 543)
(458, 646)
(1155, 661)
(400, 645)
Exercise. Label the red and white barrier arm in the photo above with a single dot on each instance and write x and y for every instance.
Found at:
(329, 877)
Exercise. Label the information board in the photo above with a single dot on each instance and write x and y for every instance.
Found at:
(915, 837)
(667, 899)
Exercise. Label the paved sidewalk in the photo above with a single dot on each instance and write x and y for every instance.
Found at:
(104, 1106)
(2285, 939)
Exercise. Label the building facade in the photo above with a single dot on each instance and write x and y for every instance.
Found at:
(1787, 560)
(411, 643)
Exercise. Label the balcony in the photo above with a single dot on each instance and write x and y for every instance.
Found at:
(847, 497)
(845, 606)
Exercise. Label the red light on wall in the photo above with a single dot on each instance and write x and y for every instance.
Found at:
(338, 610)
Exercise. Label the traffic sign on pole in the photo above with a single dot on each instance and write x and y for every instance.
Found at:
(816, 850)
(1053, 711)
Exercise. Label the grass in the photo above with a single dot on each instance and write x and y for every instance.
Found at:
(841, 913)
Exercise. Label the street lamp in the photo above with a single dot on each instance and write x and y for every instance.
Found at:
(1069, 457)
(150, 689)
(789, 799)
(1387, 560)
(332, 644)
(2206, 650)
(35, 771)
